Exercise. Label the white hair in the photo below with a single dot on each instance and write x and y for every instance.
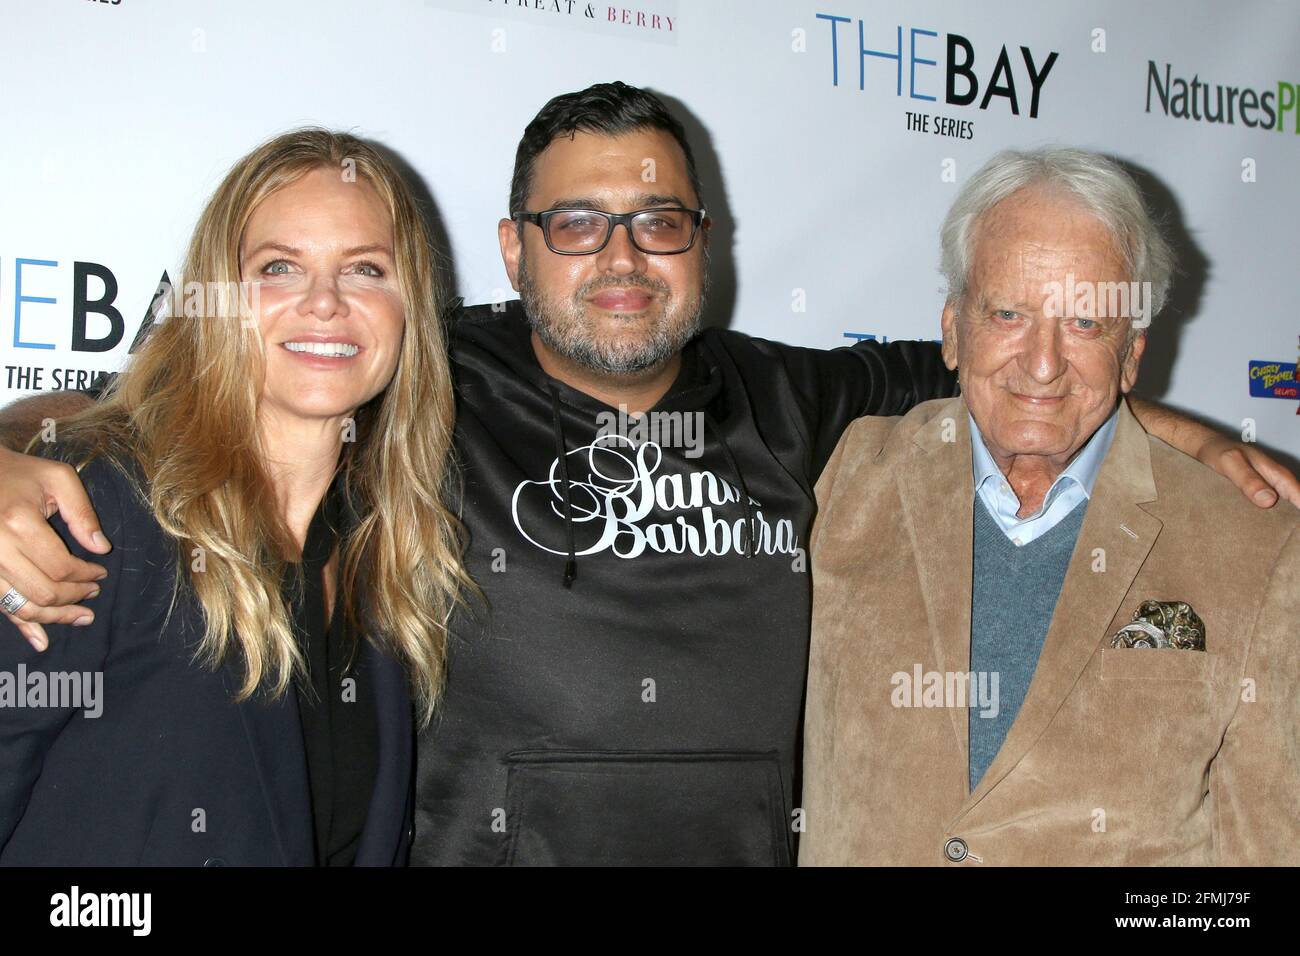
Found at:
(1097, 182)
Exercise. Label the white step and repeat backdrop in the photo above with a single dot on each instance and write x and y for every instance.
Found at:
(832, 135)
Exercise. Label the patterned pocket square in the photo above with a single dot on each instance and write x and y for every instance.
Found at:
(1163, 624)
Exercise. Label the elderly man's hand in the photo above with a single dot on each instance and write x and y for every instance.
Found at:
(1261, 478)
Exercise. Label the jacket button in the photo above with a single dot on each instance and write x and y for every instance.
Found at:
(955, 850)
(214, 861)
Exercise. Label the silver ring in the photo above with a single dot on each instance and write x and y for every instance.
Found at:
(12, 601)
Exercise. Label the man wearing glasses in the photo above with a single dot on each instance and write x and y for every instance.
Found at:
(630, 688)
(631, 694)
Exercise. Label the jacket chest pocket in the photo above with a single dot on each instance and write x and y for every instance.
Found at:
(1161, 696)
(1156, 664)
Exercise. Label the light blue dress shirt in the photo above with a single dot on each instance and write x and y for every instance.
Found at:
(1070, 487)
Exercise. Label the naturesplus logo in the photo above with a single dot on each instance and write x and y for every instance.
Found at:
(1197, 99)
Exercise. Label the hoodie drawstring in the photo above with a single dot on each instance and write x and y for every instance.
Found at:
(740, 480)
(571, 565)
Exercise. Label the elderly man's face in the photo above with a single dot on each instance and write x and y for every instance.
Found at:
(1037, 383)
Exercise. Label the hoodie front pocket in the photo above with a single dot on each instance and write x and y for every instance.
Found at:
(645, 808)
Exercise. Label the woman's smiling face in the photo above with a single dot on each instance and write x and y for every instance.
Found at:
(320, 255)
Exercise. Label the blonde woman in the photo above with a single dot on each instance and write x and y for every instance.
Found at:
(270, 469)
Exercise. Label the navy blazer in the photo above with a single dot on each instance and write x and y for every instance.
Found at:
(161, 766)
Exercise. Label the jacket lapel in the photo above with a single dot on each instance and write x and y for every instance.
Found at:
(937, 498)
(274, 731)
(1115, 530)
(384, 837)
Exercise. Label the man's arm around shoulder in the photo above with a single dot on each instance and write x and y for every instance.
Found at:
(22, 419)
(33, 559)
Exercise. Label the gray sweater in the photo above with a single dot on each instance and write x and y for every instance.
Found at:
(1013, 596)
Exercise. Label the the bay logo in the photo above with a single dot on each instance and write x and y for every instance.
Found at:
(1016, 82)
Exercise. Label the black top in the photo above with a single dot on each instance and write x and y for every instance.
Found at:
(340, 732)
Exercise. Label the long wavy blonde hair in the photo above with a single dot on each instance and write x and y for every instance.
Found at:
(185, 408)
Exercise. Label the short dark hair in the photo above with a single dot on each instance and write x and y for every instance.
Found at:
(605, 108)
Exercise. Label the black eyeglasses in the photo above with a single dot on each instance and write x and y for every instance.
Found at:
(584, 232)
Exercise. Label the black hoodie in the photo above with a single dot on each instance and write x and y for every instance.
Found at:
(630, 691)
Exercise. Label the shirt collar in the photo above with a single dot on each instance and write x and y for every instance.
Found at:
(1082, 469)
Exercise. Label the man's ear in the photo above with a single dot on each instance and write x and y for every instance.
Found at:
(949, 325)
(1128, 374)
(512, 247)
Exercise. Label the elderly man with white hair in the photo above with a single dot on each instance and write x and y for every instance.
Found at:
(1041, 635)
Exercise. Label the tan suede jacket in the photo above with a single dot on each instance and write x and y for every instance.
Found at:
(1118, 756)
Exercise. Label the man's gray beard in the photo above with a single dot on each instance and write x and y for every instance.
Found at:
(571, 334)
